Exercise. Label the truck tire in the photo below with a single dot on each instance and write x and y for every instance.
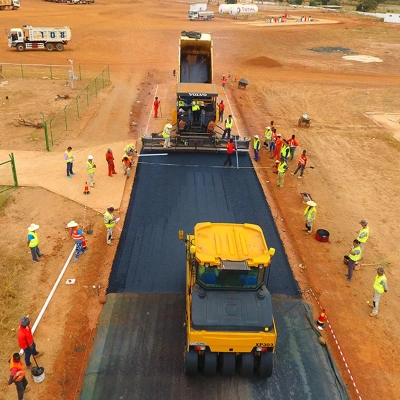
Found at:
(49, 46)
(228, 361)
(210, 363)
(59, 47)
(20, 47)
(246, 367)
(265, 365)
(191, 363)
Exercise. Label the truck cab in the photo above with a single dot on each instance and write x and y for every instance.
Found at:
(229, 320)
(15, 36)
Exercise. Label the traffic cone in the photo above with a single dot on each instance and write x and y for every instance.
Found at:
(321, 321)
(86, 191)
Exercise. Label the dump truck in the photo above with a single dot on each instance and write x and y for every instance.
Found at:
(9, 4)
(201, 15)
(30, 37)
(229, 320)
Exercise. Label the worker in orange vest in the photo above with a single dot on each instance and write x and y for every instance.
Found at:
(17, 375)
(223, 81)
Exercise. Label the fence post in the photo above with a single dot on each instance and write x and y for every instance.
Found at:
(51, 132)
(45, 132)
(95, 85)
(108, 71)
(102, 77)
(77, 106)
(65, 117)
(87, 95)
(22, 70)
(80, 72)
(51, 72)
(14, 169)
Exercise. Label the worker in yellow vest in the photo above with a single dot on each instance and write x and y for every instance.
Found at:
(33, 242)
(310, 213)
(109, 222)
(282, 167)
(363, 235)
(196, 111)
(91, 168)
(380, 286)
(17, 375)
(267, 137)
(166, 134)
(69, 159)
(228, 127)
(353, 257)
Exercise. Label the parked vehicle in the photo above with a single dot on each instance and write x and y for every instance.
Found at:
(200, 15)
(9, 4)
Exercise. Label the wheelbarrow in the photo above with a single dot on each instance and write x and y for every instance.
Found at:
(304, 120)
(243, 83)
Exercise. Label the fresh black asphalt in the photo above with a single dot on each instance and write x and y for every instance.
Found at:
(139, 346)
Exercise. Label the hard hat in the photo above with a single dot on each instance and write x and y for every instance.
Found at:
(25, 322)
(311, 203)
(90, 157)
(168, 126)
(33, 228)
(255, 136)
(268, 127)
(72, 224)
(277, 161)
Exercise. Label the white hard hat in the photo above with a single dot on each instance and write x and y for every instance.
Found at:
(168, 126)
(268, 127)
(256, 136)
(90, 157)
(33, 228)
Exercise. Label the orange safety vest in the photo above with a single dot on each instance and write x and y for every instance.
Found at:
(302, 160)
(20, 369)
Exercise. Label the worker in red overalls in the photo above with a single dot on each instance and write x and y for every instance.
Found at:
(110, 162)
(156, 104)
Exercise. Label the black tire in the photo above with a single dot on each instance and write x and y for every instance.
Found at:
(59, 47)
(246, 367)
(228, 361)
(210, 363)
(191, 363)
(265, 365)
(49, 46)
(20, 47)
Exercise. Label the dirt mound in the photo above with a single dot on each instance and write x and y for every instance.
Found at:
(264, 62)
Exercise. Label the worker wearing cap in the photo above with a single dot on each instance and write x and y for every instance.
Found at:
(267, 136)
(301, 164)
(256, 145)
(282, 167)
(310, 213)
(223, 81)
(221, 109)
(110, 162)
(380, 286)
(69, 159)
(363, 234)
(228, 127)
(33, 242)
(91, 168)
(166, 134)
(17, 375)
(156, 104)
(353, 256)
(26, 342)
(109, 222)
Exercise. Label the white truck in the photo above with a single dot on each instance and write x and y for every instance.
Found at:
(9, 4)
(30, 37)
(200, 15)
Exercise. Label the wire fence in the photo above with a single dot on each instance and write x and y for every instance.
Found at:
(8, 174)
(61, 122)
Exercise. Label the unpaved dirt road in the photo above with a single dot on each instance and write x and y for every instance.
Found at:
(355, 175)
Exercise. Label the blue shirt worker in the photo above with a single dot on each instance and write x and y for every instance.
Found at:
(33, 242)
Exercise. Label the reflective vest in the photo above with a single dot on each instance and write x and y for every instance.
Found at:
(268, 134)
(302, 160)
(285, 151)
(228, 123)
(256, 144)
(221, 107)
(35, 241)
(282, 166)
(364, 238)
(378, 285)
(108, 218)
(76, 235)
(355, 257)
(195, 107)
(69, 157)
(20, 369)
(166, 133)
(310, 213)
(90, 166)
(223, 80)
(181, 103)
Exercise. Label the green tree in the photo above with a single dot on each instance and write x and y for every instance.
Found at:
(366, 5)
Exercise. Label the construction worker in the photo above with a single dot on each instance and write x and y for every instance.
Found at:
(275, 167)
(91, 168)
(127, 165)
(282, 167)
(221, 108)
(26, 342)
(156, 104)
(256, 145)
(272, 143)
(129, 149)
(17, 375)
(77, 235)
(223, 81)
(310, 213)
(33, 242)
(166, 134)
(195, 111)
(228, 127)
(181, 103)
(293, 143)
(278, 147)
(110, 162)
(285, 151)
(380, 286)
(69, 159)
(267, 136)
(353, 257)
(230, 148)
(301, 164)
(363, 235)
(109, 222)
